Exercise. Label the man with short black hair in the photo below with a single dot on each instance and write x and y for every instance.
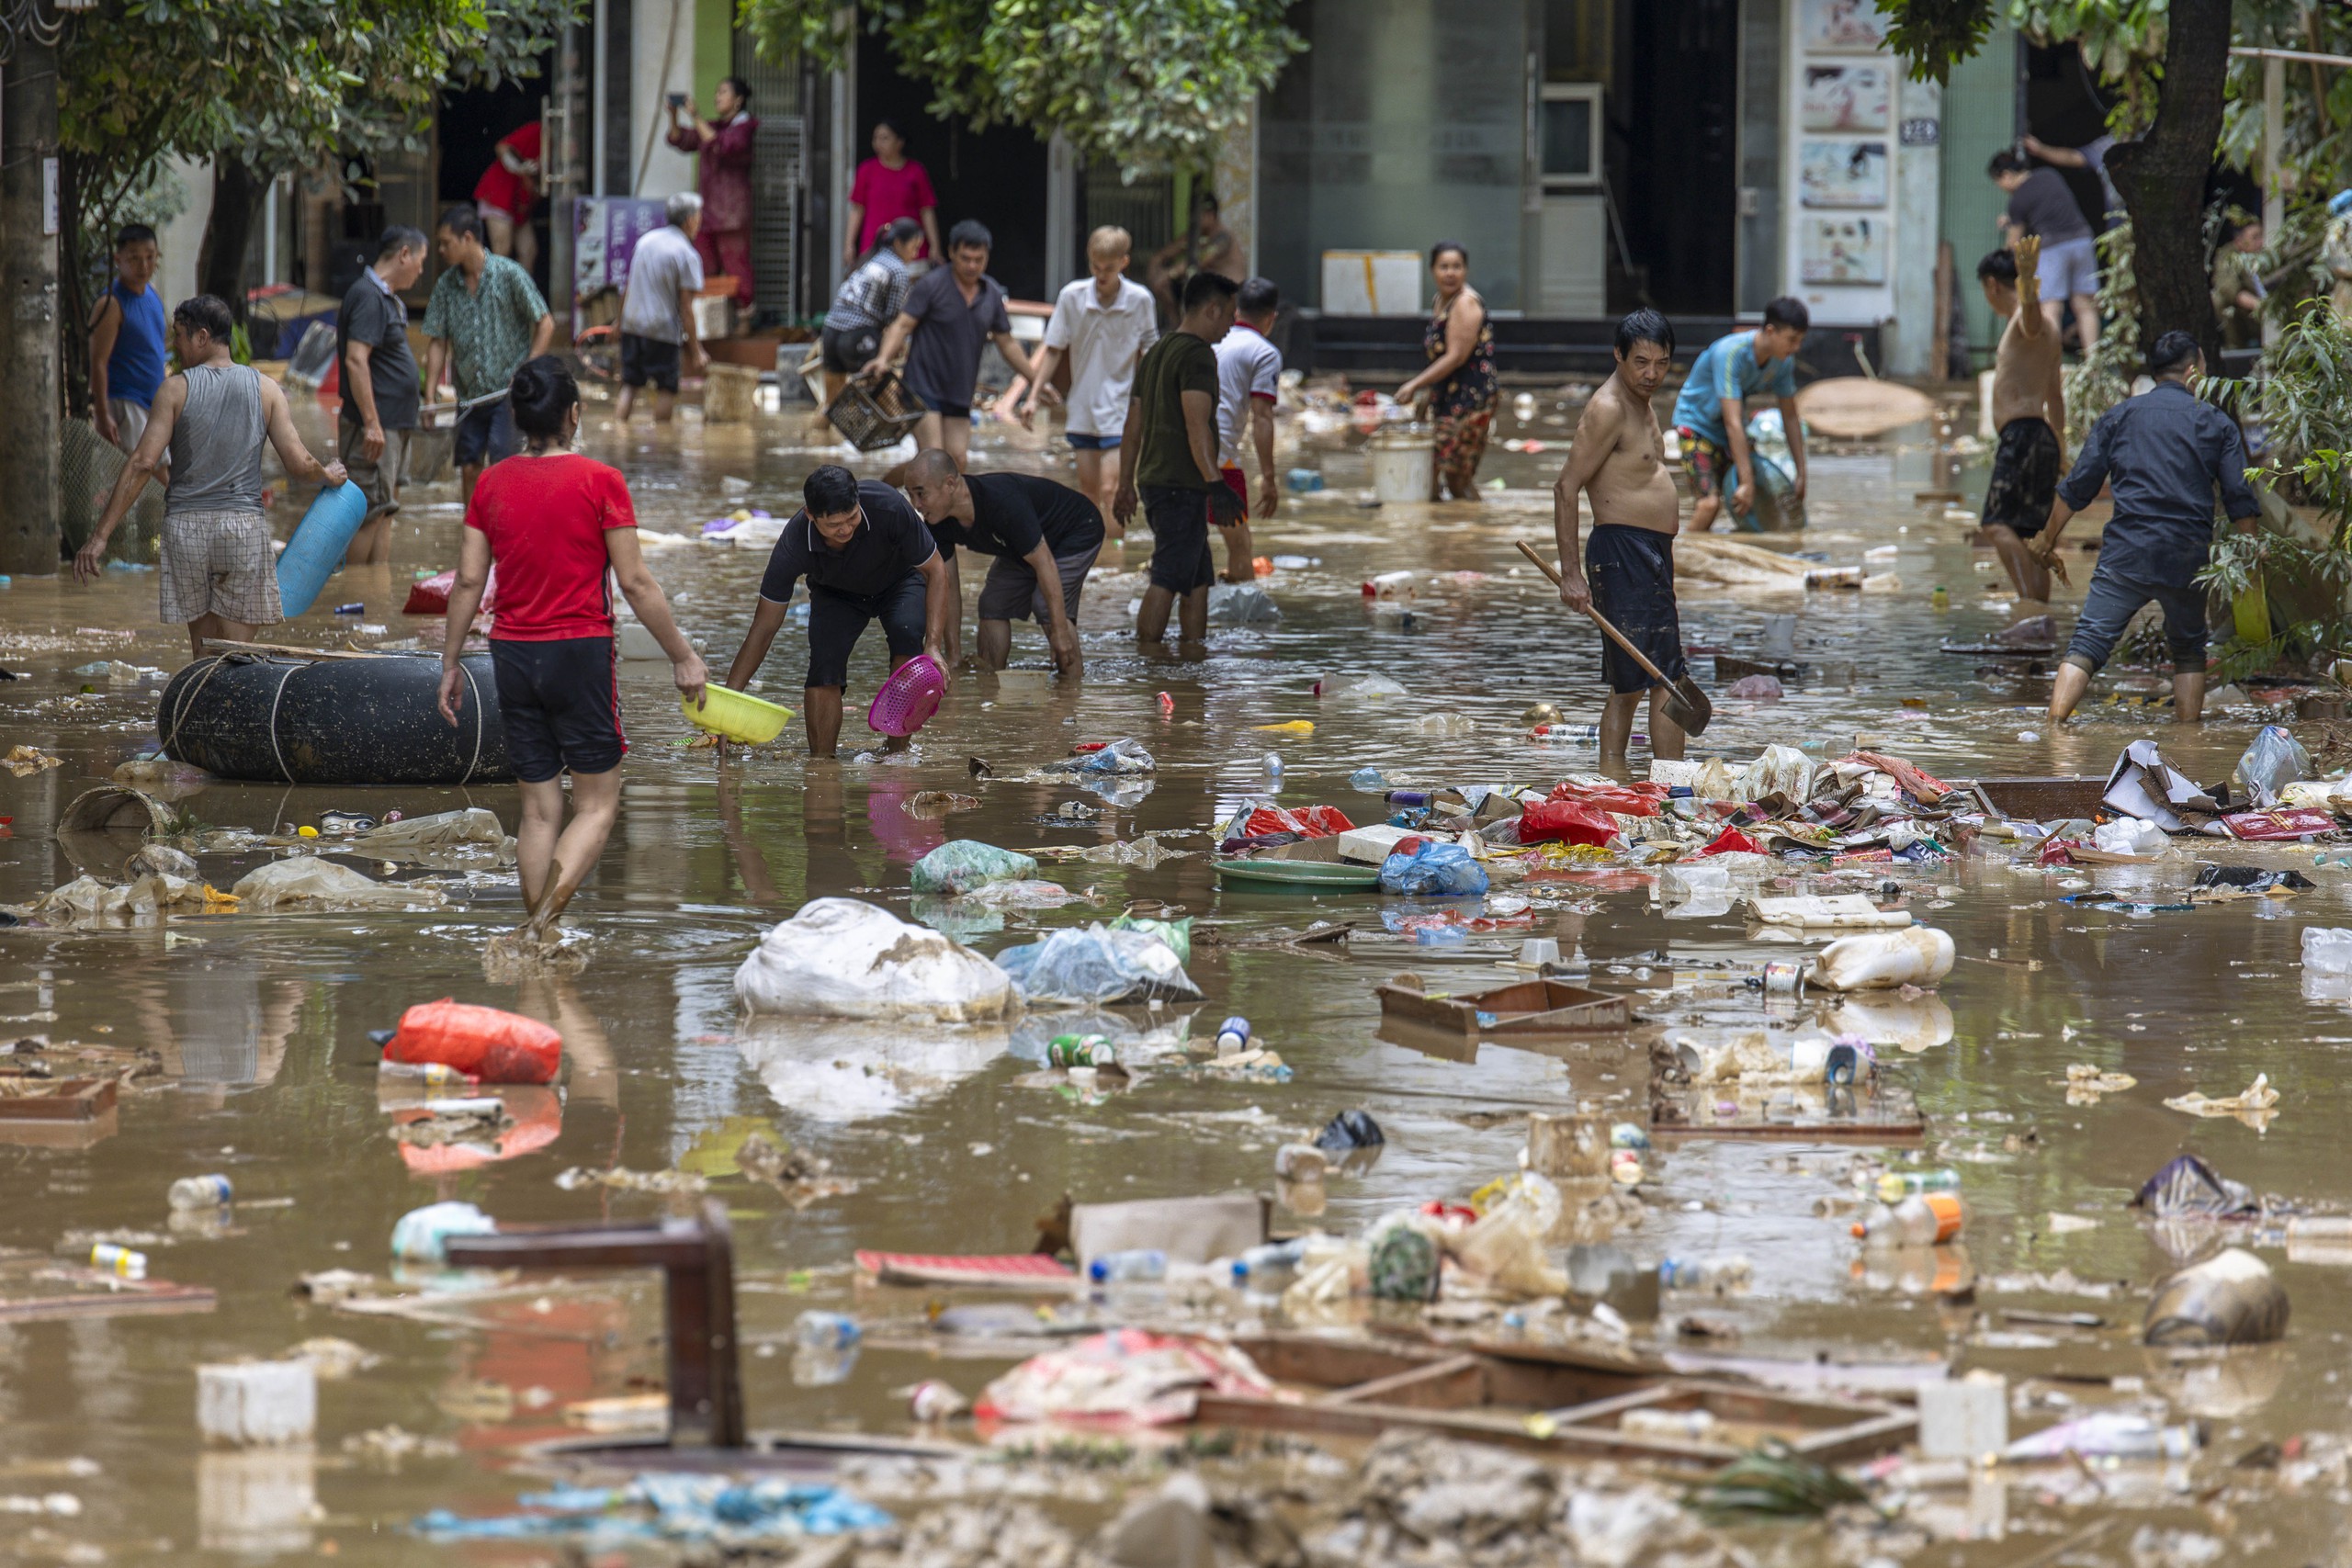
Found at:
(2042, 204)
(218, 575)
(1168, 460)
(1711, 411)
(379, 391)
(1043, 538)
(952, 313)
(2165, 452)
(1618, 458)
(867, 557)
(2029, 412)
(658, 312)
(486, 316)
(1249, 383)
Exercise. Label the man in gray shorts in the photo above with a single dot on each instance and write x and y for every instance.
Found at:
(218, 576)
(1045, 538)
(2041, 203)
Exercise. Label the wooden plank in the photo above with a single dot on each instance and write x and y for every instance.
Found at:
(2041, 799)
(1451, 1384)
(105, 1296)
(282, 651)
(63, 1100)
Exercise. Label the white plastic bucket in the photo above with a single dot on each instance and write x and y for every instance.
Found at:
(1403, 468)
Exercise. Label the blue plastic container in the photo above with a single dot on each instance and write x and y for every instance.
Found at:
(316, 551)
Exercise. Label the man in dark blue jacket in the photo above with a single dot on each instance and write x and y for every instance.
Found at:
(2164, 451)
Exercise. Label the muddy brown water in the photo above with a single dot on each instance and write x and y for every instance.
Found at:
(260, 1021)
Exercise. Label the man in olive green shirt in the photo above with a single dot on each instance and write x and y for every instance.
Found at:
(1168, 457)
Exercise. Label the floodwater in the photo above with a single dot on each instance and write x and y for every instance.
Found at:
(262, 1069)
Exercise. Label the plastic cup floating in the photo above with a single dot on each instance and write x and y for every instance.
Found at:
(907, 698)
(737, 715)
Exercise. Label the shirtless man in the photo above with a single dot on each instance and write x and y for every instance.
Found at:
(2029, 410)
(1619, 458)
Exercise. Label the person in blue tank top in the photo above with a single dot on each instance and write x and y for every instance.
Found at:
(127, 341)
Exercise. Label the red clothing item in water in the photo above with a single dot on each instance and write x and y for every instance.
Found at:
(726, 174)
(501, 187)
(888, 194)
(544, 519)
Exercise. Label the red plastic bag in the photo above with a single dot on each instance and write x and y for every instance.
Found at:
(1730, 841)
(1572, 821)
(494, 1046)
(1307, 822)
(1625, 800)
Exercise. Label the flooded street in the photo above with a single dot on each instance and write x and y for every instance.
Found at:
(257, 1024)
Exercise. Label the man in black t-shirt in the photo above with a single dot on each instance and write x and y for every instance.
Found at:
(867, 557)
(1045, 538)
(380, 391)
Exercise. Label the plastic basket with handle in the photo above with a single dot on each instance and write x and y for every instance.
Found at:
(877, 414)
(907, 698)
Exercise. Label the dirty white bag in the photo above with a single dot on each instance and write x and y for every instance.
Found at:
(474, 825)
(2129, 836)
(1782, 772)
(1883, 960)
(842, 958)
(321, 884)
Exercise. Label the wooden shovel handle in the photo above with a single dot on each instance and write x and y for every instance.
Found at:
(1615, 636)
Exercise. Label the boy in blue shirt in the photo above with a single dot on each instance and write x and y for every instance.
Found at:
(126, 341)
(1711, 415)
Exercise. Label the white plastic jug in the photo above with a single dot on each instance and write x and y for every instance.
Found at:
(1883, 960)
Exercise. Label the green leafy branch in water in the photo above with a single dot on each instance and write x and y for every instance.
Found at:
(1773, 1480)
(2300, 406)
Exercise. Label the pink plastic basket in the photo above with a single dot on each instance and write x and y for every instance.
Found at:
(907, 698)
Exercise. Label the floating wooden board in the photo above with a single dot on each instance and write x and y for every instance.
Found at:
(56, 1099)
(1730, 667)
(2040, 799)
(1524, 1007)
(37, 1289)
(1489, 1392)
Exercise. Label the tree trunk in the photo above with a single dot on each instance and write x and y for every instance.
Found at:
(221, 266)
(2162, 175)
(74, 303)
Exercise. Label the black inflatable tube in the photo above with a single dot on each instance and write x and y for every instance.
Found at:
(334, 721)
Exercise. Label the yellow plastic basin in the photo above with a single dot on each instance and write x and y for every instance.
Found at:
(735, 715)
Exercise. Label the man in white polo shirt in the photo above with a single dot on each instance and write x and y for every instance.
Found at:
(1103, 322)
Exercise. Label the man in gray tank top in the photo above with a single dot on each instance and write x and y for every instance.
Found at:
(218, 576)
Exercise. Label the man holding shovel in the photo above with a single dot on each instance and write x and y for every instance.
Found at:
(1618, 458)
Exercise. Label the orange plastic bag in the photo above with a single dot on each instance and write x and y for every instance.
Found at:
(494, 1046)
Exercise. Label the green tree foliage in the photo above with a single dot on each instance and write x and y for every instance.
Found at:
(279, 84)
(1146, 85)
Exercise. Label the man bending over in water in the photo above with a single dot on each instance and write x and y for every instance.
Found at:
(1619, 458)
(2029, 410)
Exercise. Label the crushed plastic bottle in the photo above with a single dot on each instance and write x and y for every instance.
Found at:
(1718, 1276)
(1274, 765)
(200, 1192)
(1894, 1186)
(826, 1331)
(1137, 1266)
(1924, 1219)
(1269, 1259)
(1368, 781)
(2327, 950)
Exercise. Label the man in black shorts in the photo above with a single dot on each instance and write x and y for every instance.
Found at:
(2029, 410)
(869, 299)
(1168, 460)
(867, 557)
(1045, 538)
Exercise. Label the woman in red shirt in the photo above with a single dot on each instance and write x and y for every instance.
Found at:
(556, 523)
(504, 192)
(889, 185)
